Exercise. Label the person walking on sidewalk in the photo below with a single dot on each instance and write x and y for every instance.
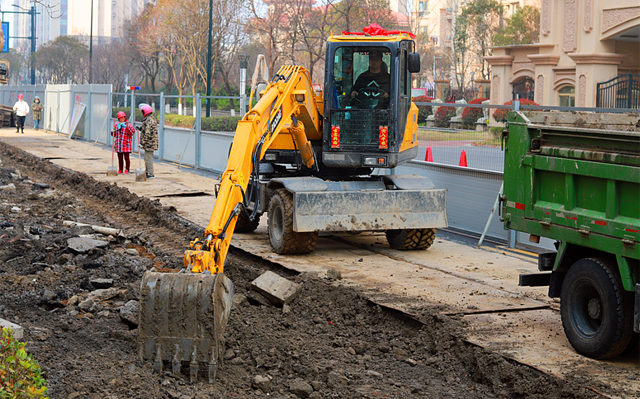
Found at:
(36, 107)
(122, 134)
(148, 137)
(21, 108)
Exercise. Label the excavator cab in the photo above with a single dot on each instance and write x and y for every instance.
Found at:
(368, 101)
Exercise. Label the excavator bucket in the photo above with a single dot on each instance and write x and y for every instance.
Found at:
(182, 321)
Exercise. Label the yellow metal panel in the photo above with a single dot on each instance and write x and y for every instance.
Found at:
(410, 138)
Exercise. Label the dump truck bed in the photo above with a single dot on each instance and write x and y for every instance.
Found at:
(580, 185)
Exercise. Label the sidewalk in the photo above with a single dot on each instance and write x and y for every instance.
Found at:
(477, 285)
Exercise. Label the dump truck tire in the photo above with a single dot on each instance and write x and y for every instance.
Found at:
(596, 311)
(244, 225)
(280, 226)
(409, 239)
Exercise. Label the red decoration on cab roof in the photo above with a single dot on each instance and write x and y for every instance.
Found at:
(377, 30)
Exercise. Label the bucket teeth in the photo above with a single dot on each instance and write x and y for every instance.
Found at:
(175, 362)
(157, 363)
(182, 321)
(194, 367)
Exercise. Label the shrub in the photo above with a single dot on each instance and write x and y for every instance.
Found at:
(213, 123)
(471, 115)
(501, 114)
(443, 116)
(496, 131)
(220, 123)
(176, 120)
(423, 110)
(20, 374)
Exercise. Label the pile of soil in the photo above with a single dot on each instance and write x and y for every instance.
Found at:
(78, 308)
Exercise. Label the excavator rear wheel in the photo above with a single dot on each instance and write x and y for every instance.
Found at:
(244, 225)
(280, 226)
(411, 238)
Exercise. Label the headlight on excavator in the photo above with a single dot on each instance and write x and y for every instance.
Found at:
(300, 98)
(375, 161)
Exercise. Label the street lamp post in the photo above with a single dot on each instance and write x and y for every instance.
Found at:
(434, 70)
(91, 46)
(434, 74)
(33, 44)
(244, 64)
(208, 101)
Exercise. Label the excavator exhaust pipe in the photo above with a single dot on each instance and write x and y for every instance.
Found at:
(183, 317)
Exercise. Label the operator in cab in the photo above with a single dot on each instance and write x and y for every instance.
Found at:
(374, 82)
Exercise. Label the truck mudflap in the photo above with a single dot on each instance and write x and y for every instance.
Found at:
(636, 311)
(364, 210)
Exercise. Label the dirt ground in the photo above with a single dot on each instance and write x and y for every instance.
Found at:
(330, 342)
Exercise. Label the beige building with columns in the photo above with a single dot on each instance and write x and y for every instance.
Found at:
(582, 43)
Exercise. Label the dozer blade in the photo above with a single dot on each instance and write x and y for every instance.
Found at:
(182, 321)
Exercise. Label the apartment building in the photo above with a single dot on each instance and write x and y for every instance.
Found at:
(588, 55)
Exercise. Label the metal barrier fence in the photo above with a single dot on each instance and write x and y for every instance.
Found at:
(623, 91)
(471, 190)
(476, 146)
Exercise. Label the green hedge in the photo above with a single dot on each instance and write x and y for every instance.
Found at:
(176, 120)
(212, 123)
(220, 123)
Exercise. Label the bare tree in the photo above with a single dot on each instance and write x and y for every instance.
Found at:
(268, 28)
(111, 63)
(145, 54)
(63, 60)
(229, 38)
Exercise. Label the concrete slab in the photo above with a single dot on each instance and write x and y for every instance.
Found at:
(18, 331)
(85, 244)
(277, 289)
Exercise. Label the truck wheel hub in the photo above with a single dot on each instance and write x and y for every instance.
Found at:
(594, 308)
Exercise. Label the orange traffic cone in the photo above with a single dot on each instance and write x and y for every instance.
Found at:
(463, 159)
(428, 157)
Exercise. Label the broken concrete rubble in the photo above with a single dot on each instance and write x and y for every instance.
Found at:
(83, 244)
(276, 289)
(18, 331)
(129, 312)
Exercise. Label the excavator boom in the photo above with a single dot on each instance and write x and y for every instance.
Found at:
(183, 315)
(287, 107)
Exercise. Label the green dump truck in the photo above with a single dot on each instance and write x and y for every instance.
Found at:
(575, 178)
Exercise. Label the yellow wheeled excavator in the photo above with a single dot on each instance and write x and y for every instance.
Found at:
(307, 159)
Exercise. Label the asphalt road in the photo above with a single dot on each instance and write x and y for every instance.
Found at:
(448, 152)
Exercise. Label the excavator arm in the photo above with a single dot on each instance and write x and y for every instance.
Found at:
(289, 107)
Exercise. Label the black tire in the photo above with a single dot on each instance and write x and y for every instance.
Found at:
(409, 239)
(244, 225)
(280, 226)
(596, 311)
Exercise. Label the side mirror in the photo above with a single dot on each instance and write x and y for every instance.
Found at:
(413, 62)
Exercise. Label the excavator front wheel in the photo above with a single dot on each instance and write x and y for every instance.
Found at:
(280, 226)
(408, 239)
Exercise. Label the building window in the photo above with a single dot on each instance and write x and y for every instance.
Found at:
(567, 96)
(513, 8)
